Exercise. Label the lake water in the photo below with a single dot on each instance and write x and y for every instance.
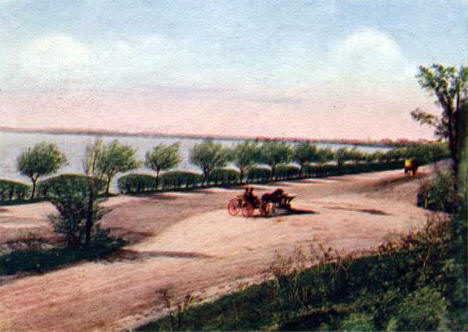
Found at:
(12, 144)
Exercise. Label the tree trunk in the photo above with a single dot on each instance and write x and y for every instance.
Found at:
(157, 179)
(90, 213)
(241, 174)
(33, 191)
(109, 179)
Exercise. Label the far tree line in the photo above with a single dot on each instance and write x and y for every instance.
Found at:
(45, 159)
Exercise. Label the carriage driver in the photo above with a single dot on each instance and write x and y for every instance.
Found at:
(249, 196)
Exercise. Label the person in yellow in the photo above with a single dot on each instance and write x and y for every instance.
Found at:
(411, 166)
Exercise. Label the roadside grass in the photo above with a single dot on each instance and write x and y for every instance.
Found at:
(40, 261)
(408, 285)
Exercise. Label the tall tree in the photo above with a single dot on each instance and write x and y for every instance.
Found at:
(162, 157)
(94, 176)
(115, 158)
(244, 156)
(342, 155)
(304, 153)
(324, 155)
(208, 156)
(274, 153)
(449, 85)
(41, 160)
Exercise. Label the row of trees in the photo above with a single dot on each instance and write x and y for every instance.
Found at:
(110, 159)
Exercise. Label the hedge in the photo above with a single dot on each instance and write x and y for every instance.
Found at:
(180, 179)
(13, 191)
(283, 172)
(224, 176)
(331, 169)
(55, 185)
(258, 174)
(136, 183)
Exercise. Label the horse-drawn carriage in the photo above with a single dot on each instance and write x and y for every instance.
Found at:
(269, 204)
(411, 166)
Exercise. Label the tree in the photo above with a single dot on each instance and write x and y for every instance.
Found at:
(41, 160)
(162, 157)
(244, 155)
(324, 155)
(70, 196)
(449, 85)
(342, 155)
(208, 156)
(94, 176)
(115, 158)
(304, 153)
(356, 155)
(274, 153)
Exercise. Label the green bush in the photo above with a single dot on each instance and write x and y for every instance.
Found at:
(13, 191)
(332, 170)
(423, 310)
(358, 322)
(439, 193)
(53, 186)
(258, 174)
(284, 172)
(71, 195)
(180, 179)
(136, 183)
(224, 176)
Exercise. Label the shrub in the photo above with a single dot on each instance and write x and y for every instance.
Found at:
(287, 172)
(439, 193)
(423, 310)
(258, 174)
(358, 322)
(224, 176)
(137, 183)
(12, 190)
(70, 194)
(180, 179)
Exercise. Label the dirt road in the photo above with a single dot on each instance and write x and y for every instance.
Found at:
(186, 242)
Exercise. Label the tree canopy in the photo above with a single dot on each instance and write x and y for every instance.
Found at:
(162, 157)
(274, 153)
(244, 156)
(305, 153)
(449, 85)
(115, 158)
(209, 155)
(41, 160)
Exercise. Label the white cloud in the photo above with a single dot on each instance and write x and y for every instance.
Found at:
(54, 58)
(371, 55)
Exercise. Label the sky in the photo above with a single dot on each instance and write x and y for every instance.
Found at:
(315, 69)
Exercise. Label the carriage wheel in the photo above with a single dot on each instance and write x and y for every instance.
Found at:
(265, 210)
(233, 207)
(248, 210)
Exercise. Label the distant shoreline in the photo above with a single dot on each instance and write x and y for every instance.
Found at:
(92, 132)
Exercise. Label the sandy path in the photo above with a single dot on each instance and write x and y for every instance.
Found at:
(188, 243)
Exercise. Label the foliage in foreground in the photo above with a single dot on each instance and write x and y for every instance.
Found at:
(409, 285)
(438, 194)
